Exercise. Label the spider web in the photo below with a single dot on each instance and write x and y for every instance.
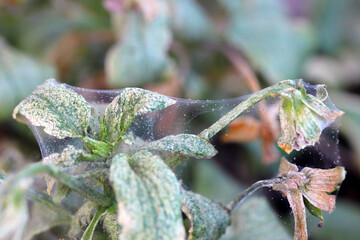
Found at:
(183, 116)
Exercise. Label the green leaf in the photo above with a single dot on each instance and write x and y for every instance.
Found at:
(184, 144)
(124, 108)
(141, 56)
(19, 76)
(190, 21)
(316, 212)
(148, 197)
(61, 111)
(255, 220)
(341, 224)
(270, 39)
(208, 219)
(89, 232)
(98, 147)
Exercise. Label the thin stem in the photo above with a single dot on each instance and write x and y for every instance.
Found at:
(235, 203)
(239, 109)
(66, 179)
(208, 133)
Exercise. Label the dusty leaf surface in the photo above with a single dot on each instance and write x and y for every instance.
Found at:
(61, 111)
(188, 145)
(208, 219)
(148, 197)
(124, 108)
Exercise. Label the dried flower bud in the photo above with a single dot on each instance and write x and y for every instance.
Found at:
(303, 116)
(313, 184)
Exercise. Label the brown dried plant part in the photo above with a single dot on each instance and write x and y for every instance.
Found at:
(247, 129)
(316, 185)
(303, 116)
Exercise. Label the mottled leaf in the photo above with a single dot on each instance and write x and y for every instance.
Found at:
(140, 56)
(61, 111)
(148, 197)
(208, 219)
(19, 76)
(184, 144)
(255, 220)
(64, 160)
(111, 226)
(124, 108)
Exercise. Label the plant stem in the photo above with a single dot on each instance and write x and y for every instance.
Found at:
(235, 203)
(208, 133)
(239, 109)
(66, 179)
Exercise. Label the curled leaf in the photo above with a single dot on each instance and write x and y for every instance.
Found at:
(124, 108)
(313, 184)
(61, 111)
(303, 116)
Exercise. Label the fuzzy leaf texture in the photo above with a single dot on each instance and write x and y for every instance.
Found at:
(208, 219)
(61, 111)
(148, 197)
(187, 145)
(124, 108)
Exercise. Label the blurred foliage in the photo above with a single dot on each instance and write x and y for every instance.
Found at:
(176, 47)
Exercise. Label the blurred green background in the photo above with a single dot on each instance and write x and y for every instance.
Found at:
(194, 49)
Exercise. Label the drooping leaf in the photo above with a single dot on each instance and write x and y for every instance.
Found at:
(255, 220)
(148, 197)
(124, 108)
(61, 111)
(208, 219)
(19, 76)
(184, 144)
(141, 55)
